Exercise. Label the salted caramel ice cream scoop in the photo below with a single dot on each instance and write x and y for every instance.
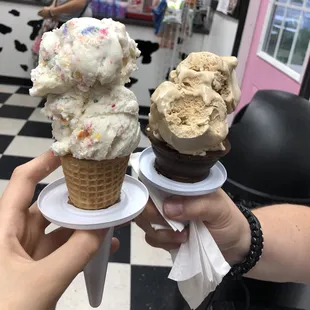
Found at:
(189, 112)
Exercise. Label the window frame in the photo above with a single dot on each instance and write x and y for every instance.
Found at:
(264, 34)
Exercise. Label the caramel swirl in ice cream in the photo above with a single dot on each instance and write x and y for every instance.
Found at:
(190, 110)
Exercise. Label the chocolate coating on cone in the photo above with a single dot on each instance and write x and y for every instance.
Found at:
(181, 167)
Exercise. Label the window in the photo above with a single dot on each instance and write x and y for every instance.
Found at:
(285, 40)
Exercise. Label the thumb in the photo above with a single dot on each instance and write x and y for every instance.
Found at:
(66, 262)
(207, 208)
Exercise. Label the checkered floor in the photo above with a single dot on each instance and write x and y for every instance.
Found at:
(137, 274)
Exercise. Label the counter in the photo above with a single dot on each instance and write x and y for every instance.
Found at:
(127, 21)
(31, 2)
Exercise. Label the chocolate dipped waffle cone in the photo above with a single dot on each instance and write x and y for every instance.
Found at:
(92, 184)
(182, 167)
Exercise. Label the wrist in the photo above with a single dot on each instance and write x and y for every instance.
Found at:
(244, 244)
(237, 253)
(256, 245)
(51, 12)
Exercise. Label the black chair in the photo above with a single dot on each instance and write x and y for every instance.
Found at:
(269, 163)
(270, 152)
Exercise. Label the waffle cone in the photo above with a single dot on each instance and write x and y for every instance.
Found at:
(92, 184)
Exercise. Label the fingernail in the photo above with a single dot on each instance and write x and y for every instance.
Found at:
(173, 206)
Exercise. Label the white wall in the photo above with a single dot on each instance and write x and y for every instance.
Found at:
(10, 59)
(221, 39)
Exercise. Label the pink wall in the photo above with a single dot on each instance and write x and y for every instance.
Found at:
(258, 73)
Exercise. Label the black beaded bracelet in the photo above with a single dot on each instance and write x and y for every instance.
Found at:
(256, 248)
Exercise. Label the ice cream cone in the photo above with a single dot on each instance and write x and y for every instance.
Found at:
(188, 116)
(181, 167)
(95, 118)
(92, 184)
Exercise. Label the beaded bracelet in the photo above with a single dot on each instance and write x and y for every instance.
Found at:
(257, 244)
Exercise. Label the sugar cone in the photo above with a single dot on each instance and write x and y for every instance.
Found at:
(92, 184)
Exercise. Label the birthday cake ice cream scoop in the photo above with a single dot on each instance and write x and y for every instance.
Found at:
(82, 69)
(82, 52)
(188, 115)
(97, 125)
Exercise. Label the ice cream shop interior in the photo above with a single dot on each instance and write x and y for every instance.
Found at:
(144, 102)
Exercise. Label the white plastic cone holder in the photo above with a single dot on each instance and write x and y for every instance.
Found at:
(53, 204)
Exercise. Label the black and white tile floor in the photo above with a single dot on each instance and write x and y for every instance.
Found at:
(137, 274)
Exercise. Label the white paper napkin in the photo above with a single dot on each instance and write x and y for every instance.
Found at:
(156, 195)
(198, 265)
